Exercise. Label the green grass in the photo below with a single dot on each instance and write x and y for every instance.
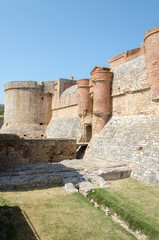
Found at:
(52, 214)
(3, 202)
(135, 203)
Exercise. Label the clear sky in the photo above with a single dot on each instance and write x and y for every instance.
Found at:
(43, 40)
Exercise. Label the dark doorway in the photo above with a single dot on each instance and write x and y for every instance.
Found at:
(88, 133)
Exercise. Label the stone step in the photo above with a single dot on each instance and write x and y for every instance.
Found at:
(31, 169)
(39, 180)
(55, 174)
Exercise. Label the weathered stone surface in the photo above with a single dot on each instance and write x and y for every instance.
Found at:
(97, 181)
(114, 174)
(84, 176)
(37, 175)
(129, 76)
(16, 151)
(130, 140)
(69, 187)
(63, 128)
(85, 187)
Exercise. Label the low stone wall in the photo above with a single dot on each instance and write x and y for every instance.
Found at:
(132, 140)
(17, 151)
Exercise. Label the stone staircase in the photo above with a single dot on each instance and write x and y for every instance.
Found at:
(58, 174)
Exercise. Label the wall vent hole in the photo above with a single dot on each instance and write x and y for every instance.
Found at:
(140, 148)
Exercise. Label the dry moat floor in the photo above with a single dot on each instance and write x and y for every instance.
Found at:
(53, 214)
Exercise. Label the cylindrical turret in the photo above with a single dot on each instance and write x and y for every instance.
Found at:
(25, 109)
(83, 97)
(152, 60)
(101, 77)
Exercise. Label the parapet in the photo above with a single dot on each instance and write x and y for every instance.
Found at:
(48, 87)
(151, 31)
(23, 85)
(126, 56)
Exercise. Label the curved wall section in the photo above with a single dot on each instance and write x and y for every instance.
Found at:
(24, 109)
(152, 60)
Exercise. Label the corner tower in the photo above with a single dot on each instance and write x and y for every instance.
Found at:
(27, 107)
(151, 39)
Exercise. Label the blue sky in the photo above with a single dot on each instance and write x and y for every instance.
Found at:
(43, 40)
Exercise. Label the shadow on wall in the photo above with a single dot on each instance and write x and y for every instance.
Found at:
(13, 224)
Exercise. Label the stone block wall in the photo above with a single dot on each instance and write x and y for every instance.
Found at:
(65, 121)
(17, 151)
(64, 127)
(131, 94)
(133, 140)
(130, 76)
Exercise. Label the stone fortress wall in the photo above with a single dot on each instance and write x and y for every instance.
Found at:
(116, 110)
(65, 121)
(31, 109)
(131, 135)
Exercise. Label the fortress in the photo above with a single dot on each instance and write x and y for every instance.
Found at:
(115, 112)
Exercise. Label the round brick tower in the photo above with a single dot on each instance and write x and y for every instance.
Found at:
(24, 109)
(151, 39)
(101, 77)
(83, 97)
